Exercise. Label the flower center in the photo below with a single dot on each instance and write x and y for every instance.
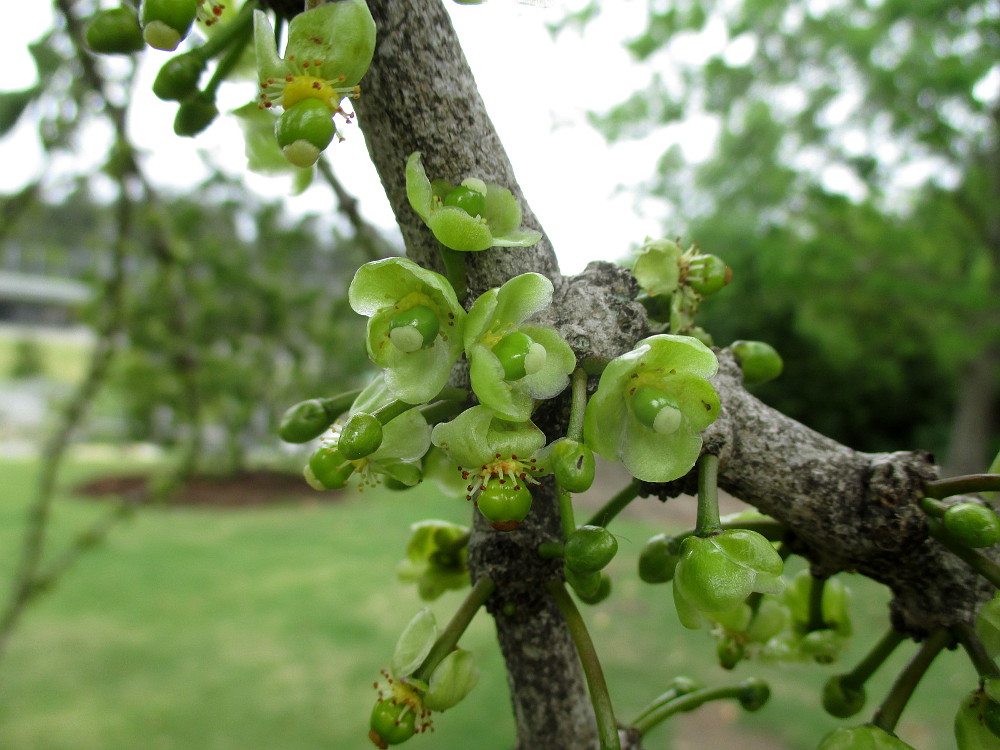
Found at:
(656, 409)
(520, 355)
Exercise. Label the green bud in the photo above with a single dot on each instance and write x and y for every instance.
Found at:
(194, 115)
(304, 422)
(414, 329)
(656, 410)
(391, 723)
(519, 355)
(708, 274)
(166, 22)
(361, 436)
(178, 77)
(573, 465)
(659, 558)
(730, 652)
(754, 694)
(972, 524)
(841, 699)
(760, 362)
(473, 202)
(589, 549)
(586, 585)
(115, 32)
(504, 503)
(602, 593)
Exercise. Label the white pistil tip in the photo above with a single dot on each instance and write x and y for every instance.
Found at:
(301, 153)
(160, 36)
(534, 360)
(668, 419)
(406, 338)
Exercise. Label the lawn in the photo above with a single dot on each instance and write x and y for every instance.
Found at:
(264, 628)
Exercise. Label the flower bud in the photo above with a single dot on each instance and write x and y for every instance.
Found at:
(972, 525)
(304, 421)
(360, 436)
(589, 549)
(573, 465)
(194, 115)
(115, 32)
(659, 558)
(841, 699)
(178, 77)
(760, 361)
(707, 274)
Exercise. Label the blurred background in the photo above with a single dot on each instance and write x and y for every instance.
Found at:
(173, 582)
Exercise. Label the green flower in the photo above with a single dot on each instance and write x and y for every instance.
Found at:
(867, 737)
(652, 404)
(822, 644)
(414, 328)
(657, 267)
(435, 558)
(511, 364)
(468, 217)
(405, 440)
(485, 447)
(715, 574)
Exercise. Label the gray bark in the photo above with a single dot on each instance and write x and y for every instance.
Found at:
(845, 510)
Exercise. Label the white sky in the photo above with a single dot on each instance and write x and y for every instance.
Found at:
(538, 100)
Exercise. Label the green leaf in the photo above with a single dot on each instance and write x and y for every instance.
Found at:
(13, 104)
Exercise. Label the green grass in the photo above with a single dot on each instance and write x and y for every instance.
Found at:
(63, 359)
(264, 628)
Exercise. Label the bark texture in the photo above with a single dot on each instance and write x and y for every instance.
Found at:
(845, 510)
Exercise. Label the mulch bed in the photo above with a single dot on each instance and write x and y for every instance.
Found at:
(248, 489)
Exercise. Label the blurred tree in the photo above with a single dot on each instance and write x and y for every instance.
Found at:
(856, 168)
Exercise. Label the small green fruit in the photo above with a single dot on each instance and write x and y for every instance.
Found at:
(471, 201)
(165, 23)
(658, 559)
(708, 274)
(303, 130)
(328, 469)
(391, 723)
(760, 361)
(972, 524)
(589, 549)
(841, 699)
(414, 329)
(115, 32)
(504, 503)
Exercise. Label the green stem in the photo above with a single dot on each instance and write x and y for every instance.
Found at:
(881, 651)
(887, 715)
(578, 405)
(616, 504)
(659, 711)
(933, 508)
(337, 405)
(237, 44)
(566, 518)
(983, 565)
(550, 550)
(607, 727)
(816, 589)
(454, 271)
(708, 522)
(449, 637)
(963, 485)
(985, 667)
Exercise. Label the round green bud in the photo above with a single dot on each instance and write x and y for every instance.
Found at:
(658, 559)
(520, 355)
(841, 699)
(178, 77)
(391, 723)
(589, 548)
(328, 469)
(413, 329)
(165, 23)
(194, 115)
(361, 436)
(730, 652)
(471, 201)
(304, 421)
(586, 585)
(504, 503)
(304, 130)
(656, 410)
(573, 465)
(708, 274)
(754, 694)
(602, 593)
(972, 525)
(760, 362)
(115, 32)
